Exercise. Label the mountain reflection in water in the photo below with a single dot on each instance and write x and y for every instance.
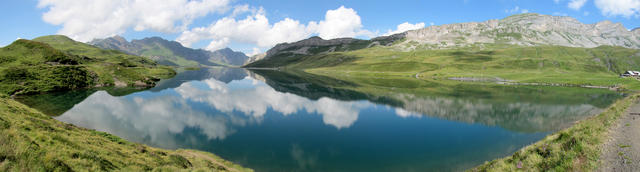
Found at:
(275, 121)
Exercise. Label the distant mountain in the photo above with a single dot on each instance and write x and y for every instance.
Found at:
(284, 53)
(171, 52)
(522, 29)
(526, 29)
(636, 30)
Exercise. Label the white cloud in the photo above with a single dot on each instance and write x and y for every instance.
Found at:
(576, 4)
(85, 20)
(258, 30)
(218, 44)
(254, 51)
(406, 26)
(560, 14)
(341, 22)
(626, 8)
(516, 9)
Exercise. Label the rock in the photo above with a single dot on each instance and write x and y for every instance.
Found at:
(528, 29)
(140, 84)
(120, 84)
(256, 58)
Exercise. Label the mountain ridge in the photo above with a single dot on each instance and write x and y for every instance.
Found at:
(528, 29)
(172, 52)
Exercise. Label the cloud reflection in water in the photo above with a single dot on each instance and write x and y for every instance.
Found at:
(159, 118)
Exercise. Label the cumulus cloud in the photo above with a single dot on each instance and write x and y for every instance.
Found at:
(626, 8)
(254, 51)
(84, 20)
(516, 9)
(256, 29)
(341, 22)
(406, 26)
(576, 4)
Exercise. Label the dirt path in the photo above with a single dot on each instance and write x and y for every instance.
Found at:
(621, 152)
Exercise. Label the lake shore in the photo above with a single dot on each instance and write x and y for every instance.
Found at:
(577, 148)
(33, 141)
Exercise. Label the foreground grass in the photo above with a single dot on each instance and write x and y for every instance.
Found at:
(574, 149)
(32, 141)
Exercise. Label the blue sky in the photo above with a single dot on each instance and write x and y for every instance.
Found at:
(255, 26)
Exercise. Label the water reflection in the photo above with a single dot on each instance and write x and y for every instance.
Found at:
(157, 118)
(274, 121)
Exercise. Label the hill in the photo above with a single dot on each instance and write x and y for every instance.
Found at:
(522, 30)
(32, 141)
(284, 53)
(171, 52)
(57, 63)
(525, 29)
(520, 49)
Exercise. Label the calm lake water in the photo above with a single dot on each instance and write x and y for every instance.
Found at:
(274, 121)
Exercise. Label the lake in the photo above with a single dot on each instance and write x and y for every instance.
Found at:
(288, 121)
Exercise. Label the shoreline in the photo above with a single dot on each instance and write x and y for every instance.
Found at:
(577, 148)
(33, 141)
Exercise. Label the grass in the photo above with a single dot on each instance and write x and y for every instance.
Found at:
(32, 141)
(378, 69)
(57, 63)
(573, 149)
(598, 66)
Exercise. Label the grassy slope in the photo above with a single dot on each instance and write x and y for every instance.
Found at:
(542, 64)
(57, 63)
(573, 149)
(32, 141)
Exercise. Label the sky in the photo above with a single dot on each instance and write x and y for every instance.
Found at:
(255, 26)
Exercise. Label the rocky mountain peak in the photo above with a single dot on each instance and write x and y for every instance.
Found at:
(636, 30)
(118, 38)
(166, 52)
(526, 29)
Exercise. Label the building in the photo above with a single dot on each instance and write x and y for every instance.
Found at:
(631, 73)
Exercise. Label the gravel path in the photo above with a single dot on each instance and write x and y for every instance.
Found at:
(621, 152)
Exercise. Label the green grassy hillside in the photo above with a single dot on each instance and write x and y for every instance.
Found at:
(57, 63)
(599, 66)
(32, 141)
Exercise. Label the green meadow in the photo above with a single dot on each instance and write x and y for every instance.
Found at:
(57, 63)
(600, 66)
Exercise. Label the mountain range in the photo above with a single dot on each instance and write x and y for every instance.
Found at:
(528, 29)
(171, 52)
